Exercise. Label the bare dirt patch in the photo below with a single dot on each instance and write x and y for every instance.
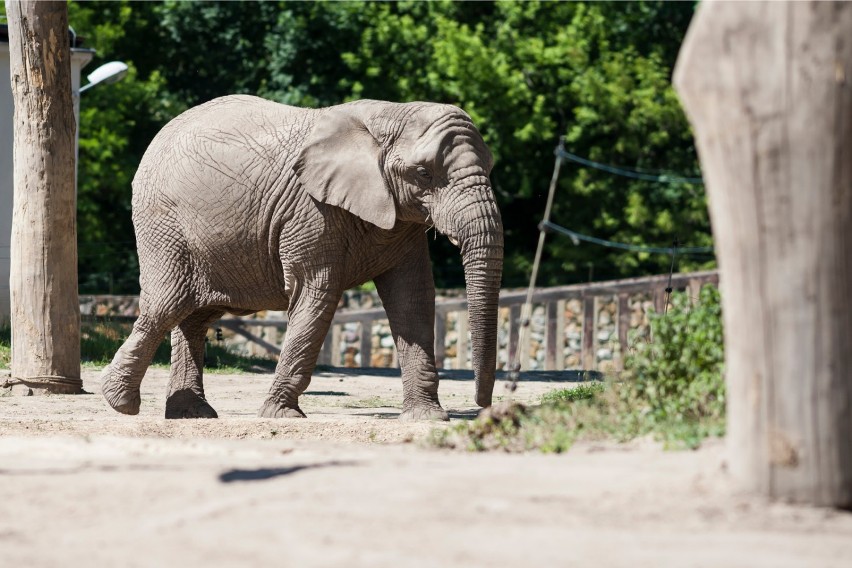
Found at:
(84, 485)
(345, 405)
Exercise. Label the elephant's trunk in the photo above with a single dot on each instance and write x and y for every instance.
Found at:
(480, 236)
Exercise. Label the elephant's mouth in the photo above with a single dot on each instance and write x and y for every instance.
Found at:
(453, 240)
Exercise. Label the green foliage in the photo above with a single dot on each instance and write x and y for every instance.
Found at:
(100, 341)
(5, 346)
(677, 378)
(580, 392)
(673, 388)
(527, 72)
(285, 51)
(117, 122)
(219, 359)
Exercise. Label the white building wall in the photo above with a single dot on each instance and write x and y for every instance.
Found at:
(79, 59)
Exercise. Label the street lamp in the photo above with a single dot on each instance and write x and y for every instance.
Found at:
(106, 74)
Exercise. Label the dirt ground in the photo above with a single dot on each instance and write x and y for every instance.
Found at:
(351, 486)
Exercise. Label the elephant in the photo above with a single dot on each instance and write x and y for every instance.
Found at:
(243, 204)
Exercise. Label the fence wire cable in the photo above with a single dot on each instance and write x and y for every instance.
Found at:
(659, 177)
(576, 237)
(526, 310)
(546, 226)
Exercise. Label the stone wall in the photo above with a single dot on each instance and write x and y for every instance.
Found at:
(607, 349)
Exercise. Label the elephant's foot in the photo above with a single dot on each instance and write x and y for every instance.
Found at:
(186, 403)
(119, 392)
(419, 413)
(274, 408)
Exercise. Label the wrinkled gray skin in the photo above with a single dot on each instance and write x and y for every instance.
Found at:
(243, 204)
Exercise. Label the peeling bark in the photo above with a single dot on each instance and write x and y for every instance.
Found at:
(43, 282)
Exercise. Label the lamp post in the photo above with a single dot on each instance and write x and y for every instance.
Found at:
(107, 73)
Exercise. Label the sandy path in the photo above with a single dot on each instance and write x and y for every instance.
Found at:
(82, 485)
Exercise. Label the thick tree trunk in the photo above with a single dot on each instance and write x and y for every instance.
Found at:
(43, 282)
(768, 88)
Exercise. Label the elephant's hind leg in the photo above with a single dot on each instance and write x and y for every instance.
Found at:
(186, 388)
(121, 379)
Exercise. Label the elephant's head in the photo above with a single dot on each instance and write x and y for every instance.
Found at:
(424, 163)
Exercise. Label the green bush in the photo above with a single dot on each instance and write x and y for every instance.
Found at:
(677, 381)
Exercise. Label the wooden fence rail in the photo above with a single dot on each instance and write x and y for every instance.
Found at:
(553, 299)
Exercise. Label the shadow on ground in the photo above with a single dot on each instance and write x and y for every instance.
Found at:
(459, 414)
(464, 414)
(265, 473)
(379, 415)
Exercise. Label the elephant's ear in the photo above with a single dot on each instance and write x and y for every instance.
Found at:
(340, 165)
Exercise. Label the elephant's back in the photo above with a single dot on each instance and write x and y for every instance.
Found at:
(227, 121)
(228, 113)
(209, 183)
(220, 149)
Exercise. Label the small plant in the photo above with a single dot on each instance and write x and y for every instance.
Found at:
(580, 392)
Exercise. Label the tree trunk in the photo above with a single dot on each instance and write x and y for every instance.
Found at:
(768, 89)
(43, 282)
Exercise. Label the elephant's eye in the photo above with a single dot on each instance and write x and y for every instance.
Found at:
(423, 174)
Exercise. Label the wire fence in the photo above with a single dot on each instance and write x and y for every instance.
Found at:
(633, 173)
(546, 226)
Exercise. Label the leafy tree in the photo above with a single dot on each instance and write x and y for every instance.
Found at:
(285, 51)
(530, 72)
(116, 123)
(527, 72)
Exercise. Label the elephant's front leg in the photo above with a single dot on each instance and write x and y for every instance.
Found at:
(408, 294)
(310, 316)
